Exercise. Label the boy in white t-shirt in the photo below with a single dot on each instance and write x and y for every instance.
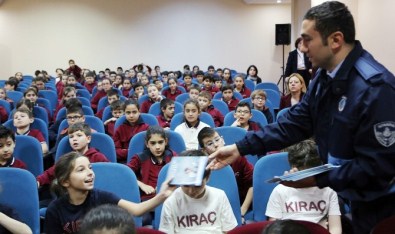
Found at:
(197, 209)
(310, 204)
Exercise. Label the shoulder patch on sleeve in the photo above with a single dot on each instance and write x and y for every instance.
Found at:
(368, 68)
(385, 133)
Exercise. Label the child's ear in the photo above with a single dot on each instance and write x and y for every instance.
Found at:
(234, 114)
(65, 183)
(31, 120)
(89, 138)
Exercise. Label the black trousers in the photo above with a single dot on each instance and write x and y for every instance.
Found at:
(366, 215)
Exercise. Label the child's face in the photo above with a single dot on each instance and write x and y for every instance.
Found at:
(243, 114)
(144, 80)
(252, 72)
(219, 73)
(168, 112)
(213, 143)
(207, 83)
(9, 87)
(191, 113)
(19, 75)
(112, 77)
(153, 92)
(89, 79)
(218, 84)
(227, 95)
(139, 90)
(22, 120)
(99, 86)
(195, 191)
(7, 146)
(156, 144)
(171, 75)
(159, 84)
(117, 113)
(69, 95)
(139, 75)
(239, 82)
(64, 79)
(188, 80)
(79, 141)
(73, 118)
(106, 85)
(81, 177)
(132, 73)
(71, 81)
(203, 103)
(132, 114)
(259, 101)
(127, 84)
(165, 78)
(172, 85)
(226, 75)
(2, 94)
(199, 78)
(31, 96)
(112, 99)
(118, 80)
(193, 94)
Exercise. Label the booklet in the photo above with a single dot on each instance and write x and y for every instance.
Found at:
(187, 170)
(302, 174)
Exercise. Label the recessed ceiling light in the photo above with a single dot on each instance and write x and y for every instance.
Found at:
(278, 1)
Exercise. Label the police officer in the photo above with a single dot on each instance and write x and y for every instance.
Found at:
(349, 109)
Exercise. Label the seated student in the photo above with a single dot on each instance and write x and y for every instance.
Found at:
(240, 86)
(73, 82)
(116, 112)
(31, 93)
(9, 222)
(80, 135)
(106, 84)
(39, 82)
(166, 113)
(11, 84)
(108, 219)
(228, 98)
(118, 81)
(285, 226)
(22, 119)
(60, 85)
(3, 96)
(126, 87)
(112, 96)
(138, 89)
(158, 83)
(19, 76)
(252, 74)
(144, 80)
(204, 100)
(190, 128)
(90, 82)
(147, 164)
(258, 99)
(165, 76)
(219, 72)
(310, 204)
(208, 82)
(194, 91)
(199, 77)
(133, 124)
(172, 92)
(153, 96)
(210, 141)
(68, 92)
(75, 180)
(227, 77)
(187, 77)
(197, 209)
(243, 115)
(7, 146)
(218, 82)
(3, 114)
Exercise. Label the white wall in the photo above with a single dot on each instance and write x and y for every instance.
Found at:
(44, 34)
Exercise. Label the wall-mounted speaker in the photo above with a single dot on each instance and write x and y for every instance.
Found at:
(283, 34)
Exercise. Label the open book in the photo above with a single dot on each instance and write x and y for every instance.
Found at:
(187, 170)
(302, 174)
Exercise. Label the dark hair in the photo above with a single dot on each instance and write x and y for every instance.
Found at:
(30, 89)
(116, 105)
(200, 73)
(195, 86)
(130, 102)
(186, 67)
(226, 87)
(206, 94)
(63, 169)
(90, 74)
(165, 102)
(303, 155)
(39, 78)
(208, 77)
(155, 130)
(172, 78)
(210, 67)
(205, 133)
(27, 102)
(192, 101)
(165, 73)
(243, 104)
(5, 133)
(207, 172)
(108, 217)
(187, 74)
(71, 60)
(73, 102)
(112, 92)
(217, 78)
(252, 66)
(13, 82)
(136, 85)
(83, 127)
(285, 227)
(298, 41)
(74, 109)
(332, 16)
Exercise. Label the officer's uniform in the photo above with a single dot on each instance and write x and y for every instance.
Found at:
(352, 118)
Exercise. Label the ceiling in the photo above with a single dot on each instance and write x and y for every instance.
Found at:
(267, 1)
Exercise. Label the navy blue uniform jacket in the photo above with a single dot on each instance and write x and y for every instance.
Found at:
(353, 120)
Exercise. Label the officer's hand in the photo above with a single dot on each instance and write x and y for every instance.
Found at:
(223, 157)
(304, 183)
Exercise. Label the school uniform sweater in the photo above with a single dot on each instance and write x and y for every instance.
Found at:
(216, 114)
(164, 123)
(16, 163)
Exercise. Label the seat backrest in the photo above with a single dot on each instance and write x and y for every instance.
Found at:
(179, 118)
(155, 108)
(231, 134)
(266, 168)
(142, 99)
(107, 114)
(274, 97)
(282, 112)
(62, 112)
(100, 141)
(268, 104)
(15, 96)
(237, 95)
(40, 113)
(158, 210)
(118, 179)
(37, 124)
(103, 102)
(94, 122)
(84, 93)
(28, 150)
(84, 101)
(249, 84)
(51, 96)
(257, 117)
(6, 105)
(137, 143)
(268, 85)
(182, 98)
(221, 106)
(44, 102)
(147, 118)
(19, 191)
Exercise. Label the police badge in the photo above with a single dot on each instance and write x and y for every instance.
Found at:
(385, 133)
